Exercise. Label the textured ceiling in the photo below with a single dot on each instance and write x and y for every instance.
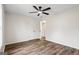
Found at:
(24, 9)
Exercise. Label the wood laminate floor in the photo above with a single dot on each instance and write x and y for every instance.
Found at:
(37, 47)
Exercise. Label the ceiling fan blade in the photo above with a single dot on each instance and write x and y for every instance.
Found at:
(35, 7)
(45, 13)
(40, 8)
(33, 12)
(46, 9)
(38, 14)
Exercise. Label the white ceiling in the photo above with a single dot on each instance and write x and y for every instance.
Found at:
(24, 9)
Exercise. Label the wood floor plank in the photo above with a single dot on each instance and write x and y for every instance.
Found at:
(38, 47)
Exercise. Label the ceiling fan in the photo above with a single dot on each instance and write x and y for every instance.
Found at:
(40, 11)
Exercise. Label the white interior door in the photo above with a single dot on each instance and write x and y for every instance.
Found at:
(0, 27)
(42, 28)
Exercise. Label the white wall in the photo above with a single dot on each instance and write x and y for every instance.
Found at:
(20, 28)
(64, 28)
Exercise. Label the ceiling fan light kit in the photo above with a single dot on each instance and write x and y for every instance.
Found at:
(40, 11)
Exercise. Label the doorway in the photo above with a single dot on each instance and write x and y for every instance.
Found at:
(43, 30)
